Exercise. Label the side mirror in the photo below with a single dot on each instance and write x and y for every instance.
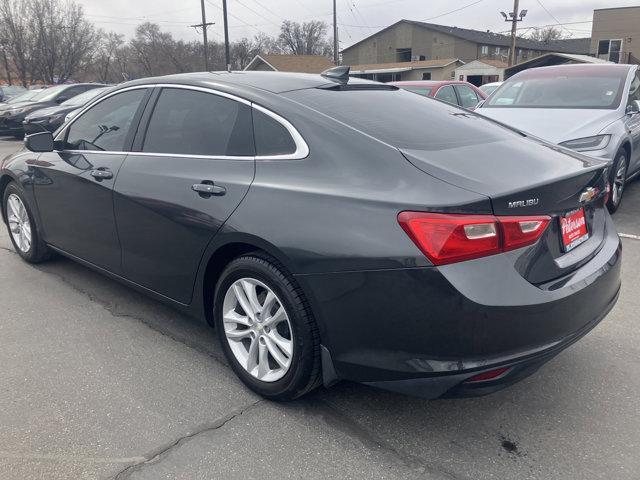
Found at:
(633, 108)
(39, 142)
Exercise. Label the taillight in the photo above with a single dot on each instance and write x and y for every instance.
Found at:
(451, 238)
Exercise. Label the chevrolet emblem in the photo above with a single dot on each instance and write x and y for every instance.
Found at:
(588, 195)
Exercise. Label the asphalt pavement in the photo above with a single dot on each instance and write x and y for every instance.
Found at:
(100, 382)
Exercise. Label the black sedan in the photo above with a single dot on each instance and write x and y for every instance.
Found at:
(51, 118)
(324, 231)
(11, 118)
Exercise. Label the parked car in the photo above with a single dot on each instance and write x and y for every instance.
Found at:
(7, 92)
(489, 88)
(324, 230)
(11, 118)
(593, 108)
(51, 118)
(462, 94)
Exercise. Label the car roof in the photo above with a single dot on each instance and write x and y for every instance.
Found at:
(427, 83)
(247, 81)
(575, 68)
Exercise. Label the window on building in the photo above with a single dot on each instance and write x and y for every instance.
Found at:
(497, 50)
(403, 54)
(610, 50)
(426, 76)
(484, 50)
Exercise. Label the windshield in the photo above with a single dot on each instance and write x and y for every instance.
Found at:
(419, 90)
(489, 89)
(23, 97)
(83, 97)
(561, 88)
(48, 94)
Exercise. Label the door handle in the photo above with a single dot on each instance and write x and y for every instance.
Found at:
(207, 189)
(101, 174)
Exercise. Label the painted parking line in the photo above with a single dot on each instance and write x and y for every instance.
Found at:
(629, 235)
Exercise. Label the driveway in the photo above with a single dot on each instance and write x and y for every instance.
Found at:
(101, 382)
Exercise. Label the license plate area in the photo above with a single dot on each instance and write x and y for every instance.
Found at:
(573, 229)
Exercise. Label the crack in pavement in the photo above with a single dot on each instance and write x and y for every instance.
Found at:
(334, 417)
(112, 308)
(164, 451)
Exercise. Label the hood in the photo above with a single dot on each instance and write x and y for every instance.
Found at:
(49, 111)
(31, 105)
(555, 125)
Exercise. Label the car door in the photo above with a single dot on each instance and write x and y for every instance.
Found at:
(632, 124)
(447, 94)
(195, 163)
(74, 184)
(468, 98)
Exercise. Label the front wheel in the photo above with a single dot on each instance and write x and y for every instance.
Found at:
(617, 179)
(266, 328)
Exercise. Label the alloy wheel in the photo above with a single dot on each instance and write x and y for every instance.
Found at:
(19, 224)
(258, 330)
(619, 180)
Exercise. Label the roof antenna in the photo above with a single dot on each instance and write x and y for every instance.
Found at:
(339, 74)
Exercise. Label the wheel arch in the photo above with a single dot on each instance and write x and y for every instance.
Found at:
(5, 179)
(222, 251)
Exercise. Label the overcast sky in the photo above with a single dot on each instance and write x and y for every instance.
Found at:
(356, 18)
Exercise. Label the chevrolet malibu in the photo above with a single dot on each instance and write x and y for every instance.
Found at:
(324, 231)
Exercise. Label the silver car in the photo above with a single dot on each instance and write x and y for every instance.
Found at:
(590, 108)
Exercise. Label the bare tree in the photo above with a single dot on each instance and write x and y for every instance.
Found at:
(17, 37)
(308, 38)
(105, 58)
(65, 40)
(546, 34)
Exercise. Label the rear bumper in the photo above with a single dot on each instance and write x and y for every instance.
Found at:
(424, 331)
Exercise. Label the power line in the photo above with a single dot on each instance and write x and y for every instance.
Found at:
(257, 13)
(453, 11)
(553, 16)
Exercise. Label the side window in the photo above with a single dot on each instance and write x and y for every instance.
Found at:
(272, 138)
(468, 98)
(70, 93)
(447, 94)
(106, 125)
(190, 122)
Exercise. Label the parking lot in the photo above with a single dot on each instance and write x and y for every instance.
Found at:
(99, 381)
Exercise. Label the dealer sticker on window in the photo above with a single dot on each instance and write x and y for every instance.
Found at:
(574, 229)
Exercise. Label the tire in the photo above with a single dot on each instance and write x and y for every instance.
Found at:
(36, 250)
(264, 275)
(617, 180)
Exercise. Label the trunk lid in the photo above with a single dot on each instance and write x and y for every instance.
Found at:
(530, 178)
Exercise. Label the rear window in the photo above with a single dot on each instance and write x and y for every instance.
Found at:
(403, 119)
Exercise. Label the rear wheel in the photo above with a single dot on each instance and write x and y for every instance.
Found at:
(23, 230)
(617, 179)
(266, 328)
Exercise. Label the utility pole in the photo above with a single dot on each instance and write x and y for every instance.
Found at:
(336, 54)
(204, 25)
(514, 18)
(226, 36)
